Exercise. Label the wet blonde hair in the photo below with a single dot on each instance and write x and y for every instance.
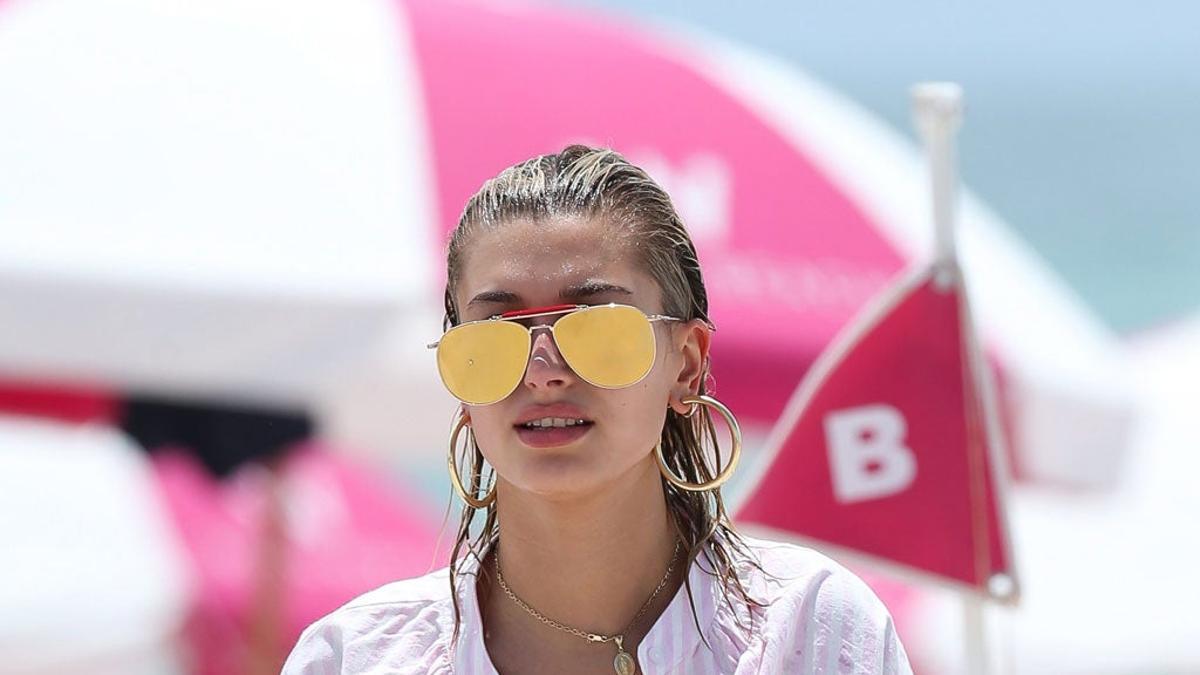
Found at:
(597, 183)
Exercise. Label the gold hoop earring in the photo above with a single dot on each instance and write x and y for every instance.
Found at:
(463, 422)
(735, 452)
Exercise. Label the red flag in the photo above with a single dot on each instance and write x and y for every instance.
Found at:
(886, 448)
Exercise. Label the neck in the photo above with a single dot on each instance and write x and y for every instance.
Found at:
(591, 562)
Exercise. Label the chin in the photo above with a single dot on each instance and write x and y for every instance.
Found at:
(559, 477)
(569, 476)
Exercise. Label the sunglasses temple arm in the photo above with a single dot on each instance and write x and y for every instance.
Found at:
(660, 317)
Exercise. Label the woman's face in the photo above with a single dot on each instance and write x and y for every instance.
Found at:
(523, 264)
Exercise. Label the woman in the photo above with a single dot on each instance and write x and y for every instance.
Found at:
(578, 343)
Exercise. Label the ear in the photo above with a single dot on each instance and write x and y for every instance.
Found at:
(691, 342)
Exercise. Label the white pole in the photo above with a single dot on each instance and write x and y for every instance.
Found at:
(974, 631)
(937, 110)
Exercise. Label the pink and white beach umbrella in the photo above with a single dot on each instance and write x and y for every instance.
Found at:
(250, 199)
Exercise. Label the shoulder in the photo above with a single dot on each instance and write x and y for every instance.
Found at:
(406, 622)
(818, 613)
(780, 558)
(778, 570)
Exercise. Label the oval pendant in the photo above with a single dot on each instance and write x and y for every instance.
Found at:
(624, 664)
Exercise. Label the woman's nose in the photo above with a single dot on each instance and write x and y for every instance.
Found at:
(546, 370)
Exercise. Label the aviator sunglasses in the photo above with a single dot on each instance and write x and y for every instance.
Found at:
(609, 346)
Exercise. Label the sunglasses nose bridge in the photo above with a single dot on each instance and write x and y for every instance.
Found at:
(546, 367)
(536, 342)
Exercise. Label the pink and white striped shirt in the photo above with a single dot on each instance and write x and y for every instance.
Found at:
(821, 618)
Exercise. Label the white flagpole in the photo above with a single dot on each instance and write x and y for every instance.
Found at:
(937, 111)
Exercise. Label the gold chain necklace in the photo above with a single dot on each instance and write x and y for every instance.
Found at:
(623, 663)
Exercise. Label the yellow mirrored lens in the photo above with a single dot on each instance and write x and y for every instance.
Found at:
(481, 363)
(607, 346)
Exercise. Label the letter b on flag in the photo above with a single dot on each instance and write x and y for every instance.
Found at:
(867, 455)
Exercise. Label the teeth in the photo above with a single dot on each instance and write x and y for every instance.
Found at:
(546, 422)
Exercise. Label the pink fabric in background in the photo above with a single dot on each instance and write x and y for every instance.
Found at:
(788, 257)
(347, 531)
(71, 403)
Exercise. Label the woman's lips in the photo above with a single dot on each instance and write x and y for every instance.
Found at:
(552, 437)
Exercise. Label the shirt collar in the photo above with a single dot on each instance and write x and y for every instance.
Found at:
(470, 654)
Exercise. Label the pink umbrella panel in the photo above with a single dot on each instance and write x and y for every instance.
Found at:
(788, 256)
(274, 550)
